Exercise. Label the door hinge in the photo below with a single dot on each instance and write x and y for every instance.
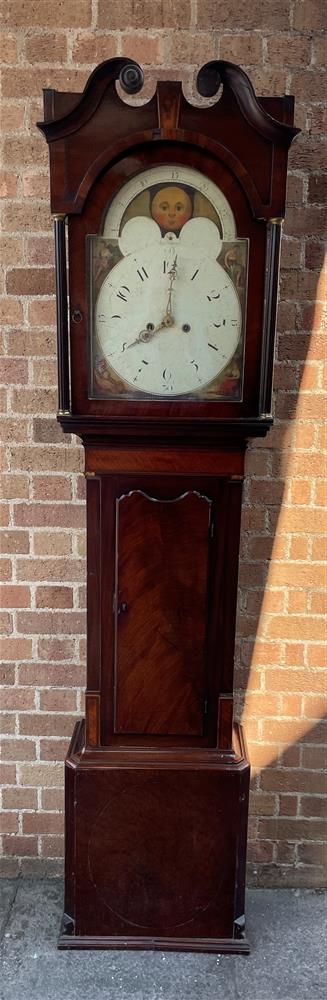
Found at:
(205, 707)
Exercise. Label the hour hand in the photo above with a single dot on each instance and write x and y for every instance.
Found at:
(150, 331)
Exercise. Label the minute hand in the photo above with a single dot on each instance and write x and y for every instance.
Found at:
(172, 276)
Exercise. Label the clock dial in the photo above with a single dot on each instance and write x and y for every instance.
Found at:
(168, 324)
(168, 290)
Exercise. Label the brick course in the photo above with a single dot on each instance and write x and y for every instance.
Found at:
(280, 656)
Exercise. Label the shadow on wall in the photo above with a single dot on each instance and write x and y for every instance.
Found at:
(278, 687)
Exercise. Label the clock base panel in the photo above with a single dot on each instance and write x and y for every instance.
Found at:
(155, 849)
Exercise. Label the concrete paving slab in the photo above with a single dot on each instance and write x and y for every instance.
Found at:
(287, 934)
(287, 962)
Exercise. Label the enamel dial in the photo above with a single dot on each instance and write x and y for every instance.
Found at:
(168, 317)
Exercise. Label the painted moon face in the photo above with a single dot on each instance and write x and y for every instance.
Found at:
(171, 208)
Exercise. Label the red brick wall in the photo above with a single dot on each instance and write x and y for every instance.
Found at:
(280, 657)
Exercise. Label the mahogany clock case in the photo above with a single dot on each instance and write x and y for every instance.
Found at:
(157, 778)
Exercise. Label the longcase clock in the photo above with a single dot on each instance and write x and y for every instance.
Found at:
(166, 319)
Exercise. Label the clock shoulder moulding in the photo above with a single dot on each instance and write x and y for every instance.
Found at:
(167, 224)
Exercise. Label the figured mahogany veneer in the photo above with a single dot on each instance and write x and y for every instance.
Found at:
(161, 600)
